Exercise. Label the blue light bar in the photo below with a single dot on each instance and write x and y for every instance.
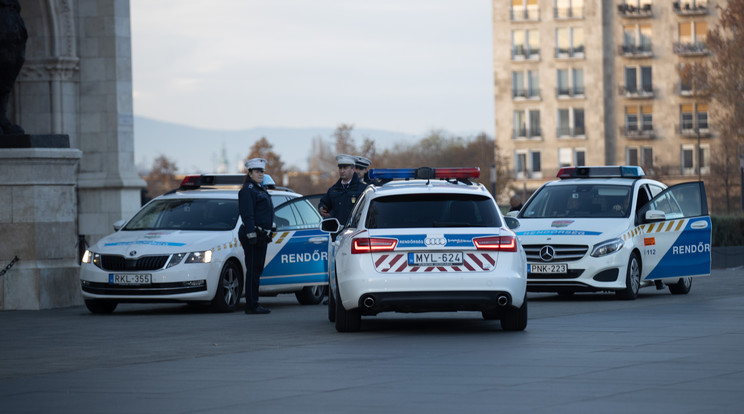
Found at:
(392, 173)
(425, 173)
(601, 172)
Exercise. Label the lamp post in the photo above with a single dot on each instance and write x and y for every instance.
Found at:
(741, 173)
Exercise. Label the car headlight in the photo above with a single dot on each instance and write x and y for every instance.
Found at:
(199, 257)
(607, 247)
(90, 257)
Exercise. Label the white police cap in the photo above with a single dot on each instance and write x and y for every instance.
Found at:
(259, 163)
(362, 162)
(343, 159)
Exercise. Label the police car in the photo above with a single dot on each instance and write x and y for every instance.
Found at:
(611, 229)
(425, 240)
(183, 246)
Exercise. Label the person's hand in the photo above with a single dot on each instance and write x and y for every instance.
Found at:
(324, 212)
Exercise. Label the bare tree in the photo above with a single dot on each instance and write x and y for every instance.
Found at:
(275, 166)
(161, 178)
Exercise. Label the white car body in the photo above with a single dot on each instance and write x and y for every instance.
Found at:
(559, 243)
(367, 283)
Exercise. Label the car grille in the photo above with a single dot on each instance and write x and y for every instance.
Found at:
(117, 262)
(563, 252)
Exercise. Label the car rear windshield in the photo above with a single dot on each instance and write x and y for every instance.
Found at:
(580, 201)
(432, 210)
(186, 214)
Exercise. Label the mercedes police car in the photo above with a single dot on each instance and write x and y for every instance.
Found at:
(425, 240)
(611, 229)
(183, 246)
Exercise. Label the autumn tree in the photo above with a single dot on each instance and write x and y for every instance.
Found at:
(274, 164)
(726, 83)
(161, 178)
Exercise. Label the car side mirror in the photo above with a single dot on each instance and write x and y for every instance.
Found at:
(119, 224)
(514, 213)
(654, 215)
(511, 222)
(330, 225)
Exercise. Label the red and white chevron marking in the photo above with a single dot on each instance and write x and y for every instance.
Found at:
(398, 262)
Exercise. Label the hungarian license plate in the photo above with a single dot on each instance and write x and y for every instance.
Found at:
(548, 268)
(130, 279)
(435, 259)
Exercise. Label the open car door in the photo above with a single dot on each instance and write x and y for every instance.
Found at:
(675, 228)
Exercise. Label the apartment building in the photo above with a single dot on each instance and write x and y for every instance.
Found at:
(598, 82)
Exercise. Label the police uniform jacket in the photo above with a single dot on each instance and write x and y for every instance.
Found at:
(256, 209)
(341, 199)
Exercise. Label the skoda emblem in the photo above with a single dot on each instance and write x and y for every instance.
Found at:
(133, 253)
(547, 253)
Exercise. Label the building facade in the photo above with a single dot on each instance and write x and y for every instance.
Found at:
(600, 82)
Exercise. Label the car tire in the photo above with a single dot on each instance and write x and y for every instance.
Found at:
(229, 288)
(632, 279)
(311, 295)
(682, 287)
(101, 306)
(515, 319)
(331, 306)
(347, 320)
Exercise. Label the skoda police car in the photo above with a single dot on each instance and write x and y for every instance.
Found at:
(183, 246)
(425, 240)
(611, 229)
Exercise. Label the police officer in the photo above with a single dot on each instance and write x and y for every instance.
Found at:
(361, 166)
(342, 196)
(257, 214)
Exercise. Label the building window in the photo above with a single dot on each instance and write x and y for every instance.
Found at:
(637, 39)
(635, 76)
(689, 164)
(569, 9)
(694, 119)
(574, 87)
(525, 10)
(571, 122)
(691, 38)
(631, 156)
(527, 123)
(526, 84)
(647, 157)
(525, 44)
(527, 164)
(571, 156)
(569, 42)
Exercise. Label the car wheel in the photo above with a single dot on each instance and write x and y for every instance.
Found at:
(101, 306)
(682, 287)
(331, 306)
(229, 288)
(632, 279)
(347, 321)
(515, 319)
(311, 295)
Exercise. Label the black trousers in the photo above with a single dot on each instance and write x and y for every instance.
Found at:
(255, 256)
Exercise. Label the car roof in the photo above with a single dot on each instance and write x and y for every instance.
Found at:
(211, 192)
(594, 181)
(428, 186)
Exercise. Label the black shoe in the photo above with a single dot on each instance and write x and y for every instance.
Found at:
(257, 310)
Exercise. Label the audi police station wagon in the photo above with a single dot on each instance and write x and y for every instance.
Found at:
(425, 240)
(183, 247)
(611, 229)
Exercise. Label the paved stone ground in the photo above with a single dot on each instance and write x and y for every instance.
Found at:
(661, 353)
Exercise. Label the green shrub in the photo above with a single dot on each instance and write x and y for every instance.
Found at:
(727, 230)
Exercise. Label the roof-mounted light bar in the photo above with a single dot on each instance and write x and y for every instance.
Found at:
(196, 181)
(616, 171)
(425, 173)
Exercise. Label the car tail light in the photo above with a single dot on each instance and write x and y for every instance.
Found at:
(497, 243)
(372, 244)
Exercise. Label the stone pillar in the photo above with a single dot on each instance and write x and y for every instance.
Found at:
(38, 224)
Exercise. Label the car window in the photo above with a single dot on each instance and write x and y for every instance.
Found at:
(285, 217)
(298, 214)
(432, 210)
(681, 200)
(579, 200)
(357, 213)
(186, 214)
(278, 199)
(308, 213)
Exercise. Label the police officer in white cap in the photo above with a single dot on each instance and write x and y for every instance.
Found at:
(257, 214)
(361, 166)
(342, 196)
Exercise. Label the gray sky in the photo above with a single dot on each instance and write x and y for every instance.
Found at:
(402, 65)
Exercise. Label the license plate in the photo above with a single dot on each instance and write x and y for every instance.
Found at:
(548, 268)
(435, 259)
(130, 279)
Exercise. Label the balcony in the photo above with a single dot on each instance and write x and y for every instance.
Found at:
(573, 53)
(636, 52)
(689, 8)
(524, 133)
(521, 54)
(635, 93)
(568, 132)
(690, 48)
(689, 131)
(645, 132)
(633, 12)
(567, 93)
(688, 91)
(522, 14)
(567, 13)
(526, 94)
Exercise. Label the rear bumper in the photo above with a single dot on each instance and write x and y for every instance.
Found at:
(438, 301)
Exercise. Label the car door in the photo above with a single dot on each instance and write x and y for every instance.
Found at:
(675, 233)
(297, 254)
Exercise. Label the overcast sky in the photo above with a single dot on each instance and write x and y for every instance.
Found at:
(402, 65)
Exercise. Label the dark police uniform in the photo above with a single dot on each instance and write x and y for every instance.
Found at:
(341, 199)
(257, 214)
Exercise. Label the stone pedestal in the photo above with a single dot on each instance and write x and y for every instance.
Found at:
(38, 224)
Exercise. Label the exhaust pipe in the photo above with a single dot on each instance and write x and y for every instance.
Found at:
(369, 302)
(502, 300)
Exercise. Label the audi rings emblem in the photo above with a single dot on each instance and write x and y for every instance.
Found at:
(435, 241)
(133, 253)
(547, 253)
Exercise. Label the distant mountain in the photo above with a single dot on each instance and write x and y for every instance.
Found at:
(202, 150)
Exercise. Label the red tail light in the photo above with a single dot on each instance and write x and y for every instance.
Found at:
(372, 244)
(496, 243)
(190, 181)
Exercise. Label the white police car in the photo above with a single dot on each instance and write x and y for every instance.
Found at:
(183, 246)
(611, 229)
(430, 243)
